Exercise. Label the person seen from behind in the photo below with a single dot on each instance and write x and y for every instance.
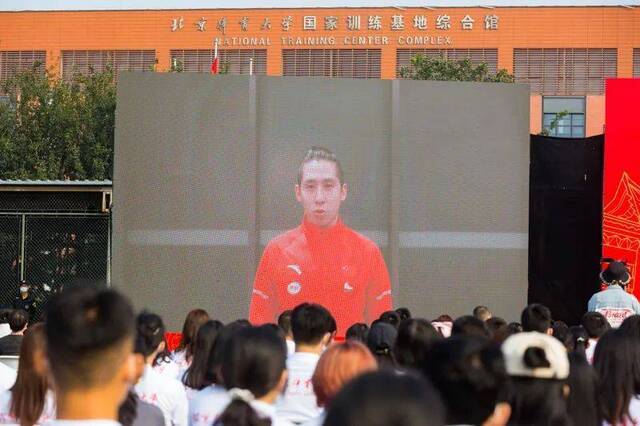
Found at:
(255, 375)
(18, 321)
(470, 374)
(616, 361)
(89, 341)
(30, 400)
(537, 317)
(339, 364)
(538, 366)
(164, 392)
(615, 303)
(595, 325)
(385, 398)
(311, 325)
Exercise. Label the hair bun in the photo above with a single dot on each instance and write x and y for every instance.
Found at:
(535, 357)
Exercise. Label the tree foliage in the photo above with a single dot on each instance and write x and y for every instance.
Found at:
(56, 129)
(441, 69)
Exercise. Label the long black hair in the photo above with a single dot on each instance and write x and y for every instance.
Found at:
(213, 374)
(196, 375)
(617, 362)
(580, 339)
(254, 360)
(150, 332)
(581, 404)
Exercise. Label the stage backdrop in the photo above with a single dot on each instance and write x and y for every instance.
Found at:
(621, 219)
(205, 169)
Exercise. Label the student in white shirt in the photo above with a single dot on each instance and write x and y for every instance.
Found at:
(5, 328)
(596, 325)
(164, 392)
(207, 404)
(339, 364)
(284, 322)
(254, 372)
(195, 378)
(183, 354)
(30, 400)
(311, 325)
(89, 340)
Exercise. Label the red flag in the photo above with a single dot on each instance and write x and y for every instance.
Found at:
(215, 61)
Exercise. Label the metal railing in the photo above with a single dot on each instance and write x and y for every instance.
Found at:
(51, 251)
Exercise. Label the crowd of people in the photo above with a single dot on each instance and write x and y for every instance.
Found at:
(93, 361)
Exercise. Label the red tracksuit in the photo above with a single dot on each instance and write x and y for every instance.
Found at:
(335, 267)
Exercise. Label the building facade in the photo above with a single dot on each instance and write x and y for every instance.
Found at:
(565, 54)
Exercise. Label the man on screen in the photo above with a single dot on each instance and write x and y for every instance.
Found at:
(321, 261)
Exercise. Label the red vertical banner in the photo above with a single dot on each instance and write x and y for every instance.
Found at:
(621, 218)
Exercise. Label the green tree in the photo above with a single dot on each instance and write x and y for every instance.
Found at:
(56, 129)
(546, 131)
(441, 69)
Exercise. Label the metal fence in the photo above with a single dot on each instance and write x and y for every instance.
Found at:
(51, 251)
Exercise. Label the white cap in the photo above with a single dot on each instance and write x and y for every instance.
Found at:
(516, 345)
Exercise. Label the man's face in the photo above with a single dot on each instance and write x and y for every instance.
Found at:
(320, 192)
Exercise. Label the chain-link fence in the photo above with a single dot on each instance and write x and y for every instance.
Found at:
(50, 252)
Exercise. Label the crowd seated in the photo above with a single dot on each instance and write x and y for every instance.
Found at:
(94, 361)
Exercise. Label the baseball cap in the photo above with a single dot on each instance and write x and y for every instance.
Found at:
(535, 355)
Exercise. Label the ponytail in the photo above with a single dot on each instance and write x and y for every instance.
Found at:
(239, 412)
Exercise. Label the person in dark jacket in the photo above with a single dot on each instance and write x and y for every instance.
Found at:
(18, 321)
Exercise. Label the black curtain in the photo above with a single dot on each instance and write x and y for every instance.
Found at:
(565, 223)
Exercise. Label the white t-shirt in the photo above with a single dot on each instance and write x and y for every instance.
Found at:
(634, 414)
(48, 411)
(298, 404)
(316, 421)
(5, 330)
(7, 377)
(168, 368)
(180, 358)
(211, 401)
(291, 347)
(207, 404)
(591, 350)
(165, 393)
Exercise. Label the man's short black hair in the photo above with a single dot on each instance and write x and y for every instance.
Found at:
(391, 317)
(482, 313)
(317, 153)
(536, 317)
(284, 321)
(18, 319)
(596, 324)
(310, 322)
(470, 326)
(89, 332)
(404, 313)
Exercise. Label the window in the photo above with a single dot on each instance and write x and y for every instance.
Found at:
(234, 61)
(572, 124)
(565, 71)
(86, 61)
(14, 62)
(348, 63)
(636, 63)
(476, 56)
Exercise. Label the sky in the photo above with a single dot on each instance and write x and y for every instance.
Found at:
(16, 5)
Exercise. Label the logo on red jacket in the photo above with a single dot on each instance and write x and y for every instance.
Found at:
(294, 287)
